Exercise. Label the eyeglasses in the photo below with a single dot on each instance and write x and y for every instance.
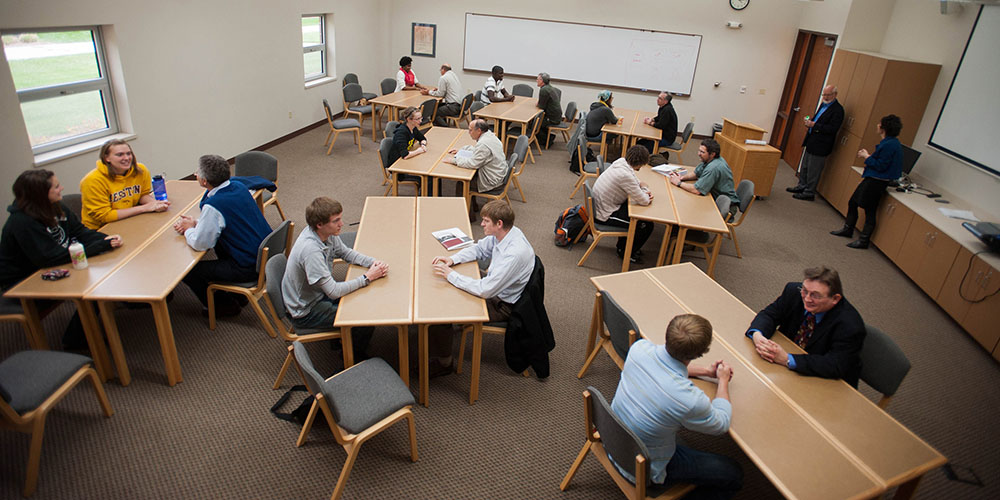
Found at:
(828, 95)
(811, 295)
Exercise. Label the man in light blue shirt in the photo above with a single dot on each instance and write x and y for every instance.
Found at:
(655, 398)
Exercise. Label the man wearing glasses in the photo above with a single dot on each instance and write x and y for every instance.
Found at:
(818, 143)
(815, 315)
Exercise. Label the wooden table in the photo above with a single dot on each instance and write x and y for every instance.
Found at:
(137, 233)
(674, 206)
(411, 293)
(521, 110)
(812, 437)
(431, 165)
(631, 128)
(397, 100)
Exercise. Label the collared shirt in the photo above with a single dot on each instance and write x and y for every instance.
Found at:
(655, 399)
(495, 86)
(511, 262)
(715, 177)
(210, 224)
(308, 276)
(822, 107)
(487, 157)
(791, 357)
(616, 184)
(449, 87)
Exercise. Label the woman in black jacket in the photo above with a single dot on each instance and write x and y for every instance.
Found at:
(38, 232)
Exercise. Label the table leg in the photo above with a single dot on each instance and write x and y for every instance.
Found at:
(422, 398)
(715, 256)
(679, 247)
(466, 194)
(435, 190)
(628, 244)
(375, 123)
(404, 354)
(347, 345)
(604, 138)
(423, 185)
(477, 351)
(663, 245)
(94, 338)
(395, 184)
(595, 323)
(114, 341)
(36, 335)
(502, 125)
(907, 489)
(166, 334)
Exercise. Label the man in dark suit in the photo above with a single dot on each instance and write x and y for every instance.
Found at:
(818, 143)
(817, 317)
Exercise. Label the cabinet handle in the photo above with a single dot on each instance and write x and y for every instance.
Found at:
(986, 280)
(979, 277)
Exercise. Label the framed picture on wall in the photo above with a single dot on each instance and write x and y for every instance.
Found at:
(423, 39)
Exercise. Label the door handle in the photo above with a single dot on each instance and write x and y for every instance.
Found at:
(796, 109)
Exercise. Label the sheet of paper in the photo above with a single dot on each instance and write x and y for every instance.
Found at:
(958, 214)
(668, 168)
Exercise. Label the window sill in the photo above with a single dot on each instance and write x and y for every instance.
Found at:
(320, 81)
(77, 149)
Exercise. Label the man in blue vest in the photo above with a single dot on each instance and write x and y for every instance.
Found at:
(231, 223)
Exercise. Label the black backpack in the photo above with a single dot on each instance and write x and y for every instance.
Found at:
(569, 224)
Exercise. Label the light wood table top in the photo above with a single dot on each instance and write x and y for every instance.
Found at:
(520, 110)
(697, 211)
(641, 130)
(883, 445)
(439, 141)
(661, 209)
(810, 465)
(447, 170)
(386, 233)
(401, 99)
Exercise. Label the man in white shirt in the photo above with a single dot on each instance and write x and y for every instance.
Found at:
(493, 91)
(310, 292)
(486, 157)
(511, 260)
(449, 88)
(231, 223)
(613, 191)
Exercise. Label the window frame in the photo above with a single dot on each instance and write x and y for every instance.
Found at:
(102, 84)
(316, 47)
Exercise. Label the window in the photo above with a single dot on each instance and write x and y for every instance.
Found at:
(62, 84)
(314, 46)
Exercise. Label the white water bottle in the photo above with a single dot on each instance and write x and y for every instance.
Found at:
(77, 254)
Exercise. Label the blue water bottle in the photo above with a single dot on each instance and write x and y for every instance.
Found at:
(159, 188)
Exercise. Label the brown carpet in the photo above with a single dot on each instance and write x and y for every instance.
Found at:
(212, 436)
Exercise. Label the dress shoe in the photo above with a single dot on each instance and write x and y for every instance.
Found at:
(223, 310)
(634, 259)
(859, 243)
(846, 232)
(795, 189)
(804, 196)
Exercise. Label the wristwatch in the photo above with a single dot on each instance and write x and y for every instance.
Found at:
(367, 281)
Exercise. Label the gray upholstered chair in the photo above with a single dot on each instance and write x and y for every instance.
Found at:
(883, 364)
(31, 383)
(388, 85)
(75, 203)
(266, 166)
(523, 90)
(463, 114)
(706, 241)
(531, 130)
(595, 228)
(428, 110)
(500, 192)
(358, 403)
(678, 147)
(340, 125)
(520, 149)
(607, 435)
(279, 242)
(621, 333)
(588, 169)
(476, 106)
(275, 271)
(383, 159)
(745, 192)
(352, 78)
(352, 105)
(390, 128)
(479, 96)
(566, 124)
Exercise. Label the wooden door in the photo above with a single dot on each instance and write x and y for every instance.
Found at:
(803, 85)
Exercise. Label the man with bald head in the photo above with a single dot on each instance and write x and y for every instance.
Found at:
(486, 157)
(449, 90)
(818, 144)
(666, 120)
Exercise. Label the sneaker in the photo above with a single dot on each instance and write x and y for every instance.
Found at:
(634, 259)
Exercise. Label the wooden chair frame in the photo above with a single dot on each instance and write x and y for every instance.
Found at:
(593, 230)
(336, 132)
(254, 293)
(604, 338)
(351, 442)
(536, 123)
(347, 108)
(29, 321)
(517, 173)
(463, 114)
(33, 422)
(684, 145)
(563, 128)
(289, 335)
(581, 155)
(429, 121)
(506, 187)
(593, 444)
(387, 177)
(733, 225)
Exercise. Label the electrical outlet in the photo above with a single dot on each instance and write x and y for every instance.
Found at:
(692, 118)
(289, 115)
(763, 91)
(743, 89)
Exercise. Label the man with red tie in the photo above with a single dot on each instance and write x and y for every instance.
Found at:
(815, 315)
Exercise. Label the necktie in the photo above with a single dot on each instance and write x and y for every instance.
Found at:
(805, 331)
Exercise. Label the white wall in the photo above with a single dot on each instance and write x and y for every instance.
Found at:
(201, 77)
(756, 56)
(918, 31)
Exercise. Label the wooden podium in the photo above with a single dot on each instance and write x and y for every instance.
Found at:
(757, 163)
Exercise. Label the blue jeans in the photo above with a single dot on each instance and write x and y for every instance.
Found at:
(717, 476)
(321, 316)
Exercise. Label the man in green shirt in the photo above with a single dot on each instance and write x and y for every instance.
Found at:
(548, 101)
(712, 175)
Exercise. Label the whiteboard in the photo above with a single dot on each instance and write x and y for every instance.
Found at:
(601, 55)
(965, 126)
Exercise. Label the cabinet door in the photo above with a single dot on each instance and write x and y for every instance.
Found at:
(844, 64)
(850, 183)
(893, 221)
(850, 97)
(860, 119)
(984, 317)
(956, 290)
(914, 248)
(941, 252)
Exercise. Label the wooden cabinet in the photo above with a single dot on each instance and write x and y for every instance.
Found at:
(957, 288)
(925, 255)
(851, 180)
(831, 183)
(983, 319)
(748, 161)
(893, 222)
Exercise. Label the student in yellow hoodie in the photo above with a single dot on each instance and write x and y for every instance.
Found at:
(118, 188)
